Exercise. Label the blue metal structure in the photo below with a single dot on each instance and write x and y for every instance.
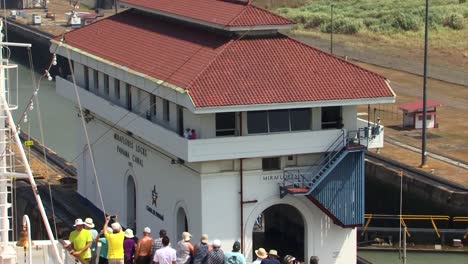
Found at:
(335, 183)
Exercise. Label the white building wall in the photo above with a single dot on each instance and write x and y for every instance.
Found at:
(349, 117)
(221, 215)
(176, 185)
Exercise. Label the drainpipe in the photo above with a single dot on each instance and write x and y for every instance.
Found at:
(241, 175)
(241, 205)
(241, 192)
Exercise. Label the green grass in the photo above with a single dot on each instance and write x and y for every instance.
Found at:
(379, 16)
(383, 24)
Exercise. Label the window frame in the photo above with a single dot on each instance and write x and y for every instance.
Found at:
(225, 132)
(268, 164)
(106, 85)
(290, 129)
(86, 77)
(166, 110)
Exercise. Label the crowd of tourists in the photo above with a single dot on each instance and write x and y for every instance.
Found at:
(121, 247)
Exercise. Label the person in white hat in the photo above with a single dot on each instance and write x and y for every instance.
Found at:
(103, 251)
(261, 255)
(201, 250)
(216, 255)
(115, 252)
(80, 240)
(184, 249)
(272, 257)
(129, 245)
(89, 225)
(143, 249)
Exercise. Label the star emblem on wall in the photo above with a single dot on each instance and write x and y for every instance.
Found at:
(154, 196)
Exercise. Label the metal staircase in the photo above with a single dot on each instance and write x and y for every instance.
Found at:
(296, 183)
(335, 182)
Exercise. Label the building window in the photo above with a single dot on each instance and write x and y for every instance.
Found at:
(301, 119)
(271, 164)
(225, 124)
(96, 80)
(128, 91)
(257, 122)
(117, 89)
(279, 120)
(166, 110)
(153, 104)
(86, 77)
(106, 85)
(331, 117)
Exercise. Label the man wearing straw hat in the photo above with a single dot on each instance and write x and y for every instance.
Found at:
(272, 257)
(261, 255)
(89, 225)
(80, 240)
(115, 252)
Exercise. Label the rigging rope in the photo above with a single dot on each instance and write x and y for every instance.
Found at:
(83, 122)
(41, 130)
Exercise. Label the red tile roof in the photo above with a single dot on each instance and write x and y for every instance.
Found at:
(417, 105)
(221, 71)
(221, 12)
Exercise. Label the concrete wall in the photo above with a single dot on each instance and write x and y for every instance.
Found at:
(420, 196)
(220, 196)
(176, 185)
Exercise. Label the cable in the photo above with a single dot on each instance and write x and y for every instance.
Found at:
(83, 122)
(41, 130)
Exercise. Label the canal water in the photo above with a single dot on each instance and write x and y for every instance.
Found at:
(59, 117)
(414, 257)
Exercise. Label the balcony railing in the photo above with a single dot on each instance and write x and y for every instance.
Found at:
(218, 148)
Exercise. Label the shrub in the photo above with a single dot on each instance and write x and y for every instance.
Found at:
(342, 26)
(368, 22)
(316, 20)
(405, 22)
(454, 21)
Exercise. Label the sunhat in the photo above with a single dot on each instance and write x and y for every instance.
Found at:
(217, 243)
(261, 253)
(116, 227)
(78, 222)
(128, 233)
(204, 238)
(186, 236)
(273, 252)
(89, 222)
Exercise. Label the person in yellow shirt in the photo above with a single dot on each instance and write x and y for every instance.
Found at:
(115, 251)
(80, 240)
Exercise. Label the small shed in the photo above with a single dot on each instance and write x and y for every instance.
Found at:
(413, 114)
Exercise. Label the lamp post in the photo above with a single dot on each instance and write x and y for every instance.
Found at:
(424, 119)
(331, 28)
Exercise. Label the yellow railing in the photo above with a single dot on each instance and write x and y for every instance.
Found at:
(461, 219)
(402, 218)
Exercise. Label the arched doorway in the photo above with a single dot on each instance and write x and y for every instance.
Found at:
(182, 223)
(131, 203)
(280, 227)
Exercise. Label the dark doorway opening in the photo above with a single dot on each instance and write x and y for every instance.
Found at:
(280, 227)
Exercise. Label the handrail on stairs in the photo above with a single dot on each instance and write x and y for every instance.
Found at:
(302, 180)
(305, 181)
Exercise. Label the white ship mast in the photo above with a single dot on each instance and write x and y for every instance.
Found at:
(7, 252)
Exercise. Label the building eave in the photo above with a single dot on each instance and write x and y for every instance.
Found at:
(121, 67)
(209, 24)
(293, 105)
